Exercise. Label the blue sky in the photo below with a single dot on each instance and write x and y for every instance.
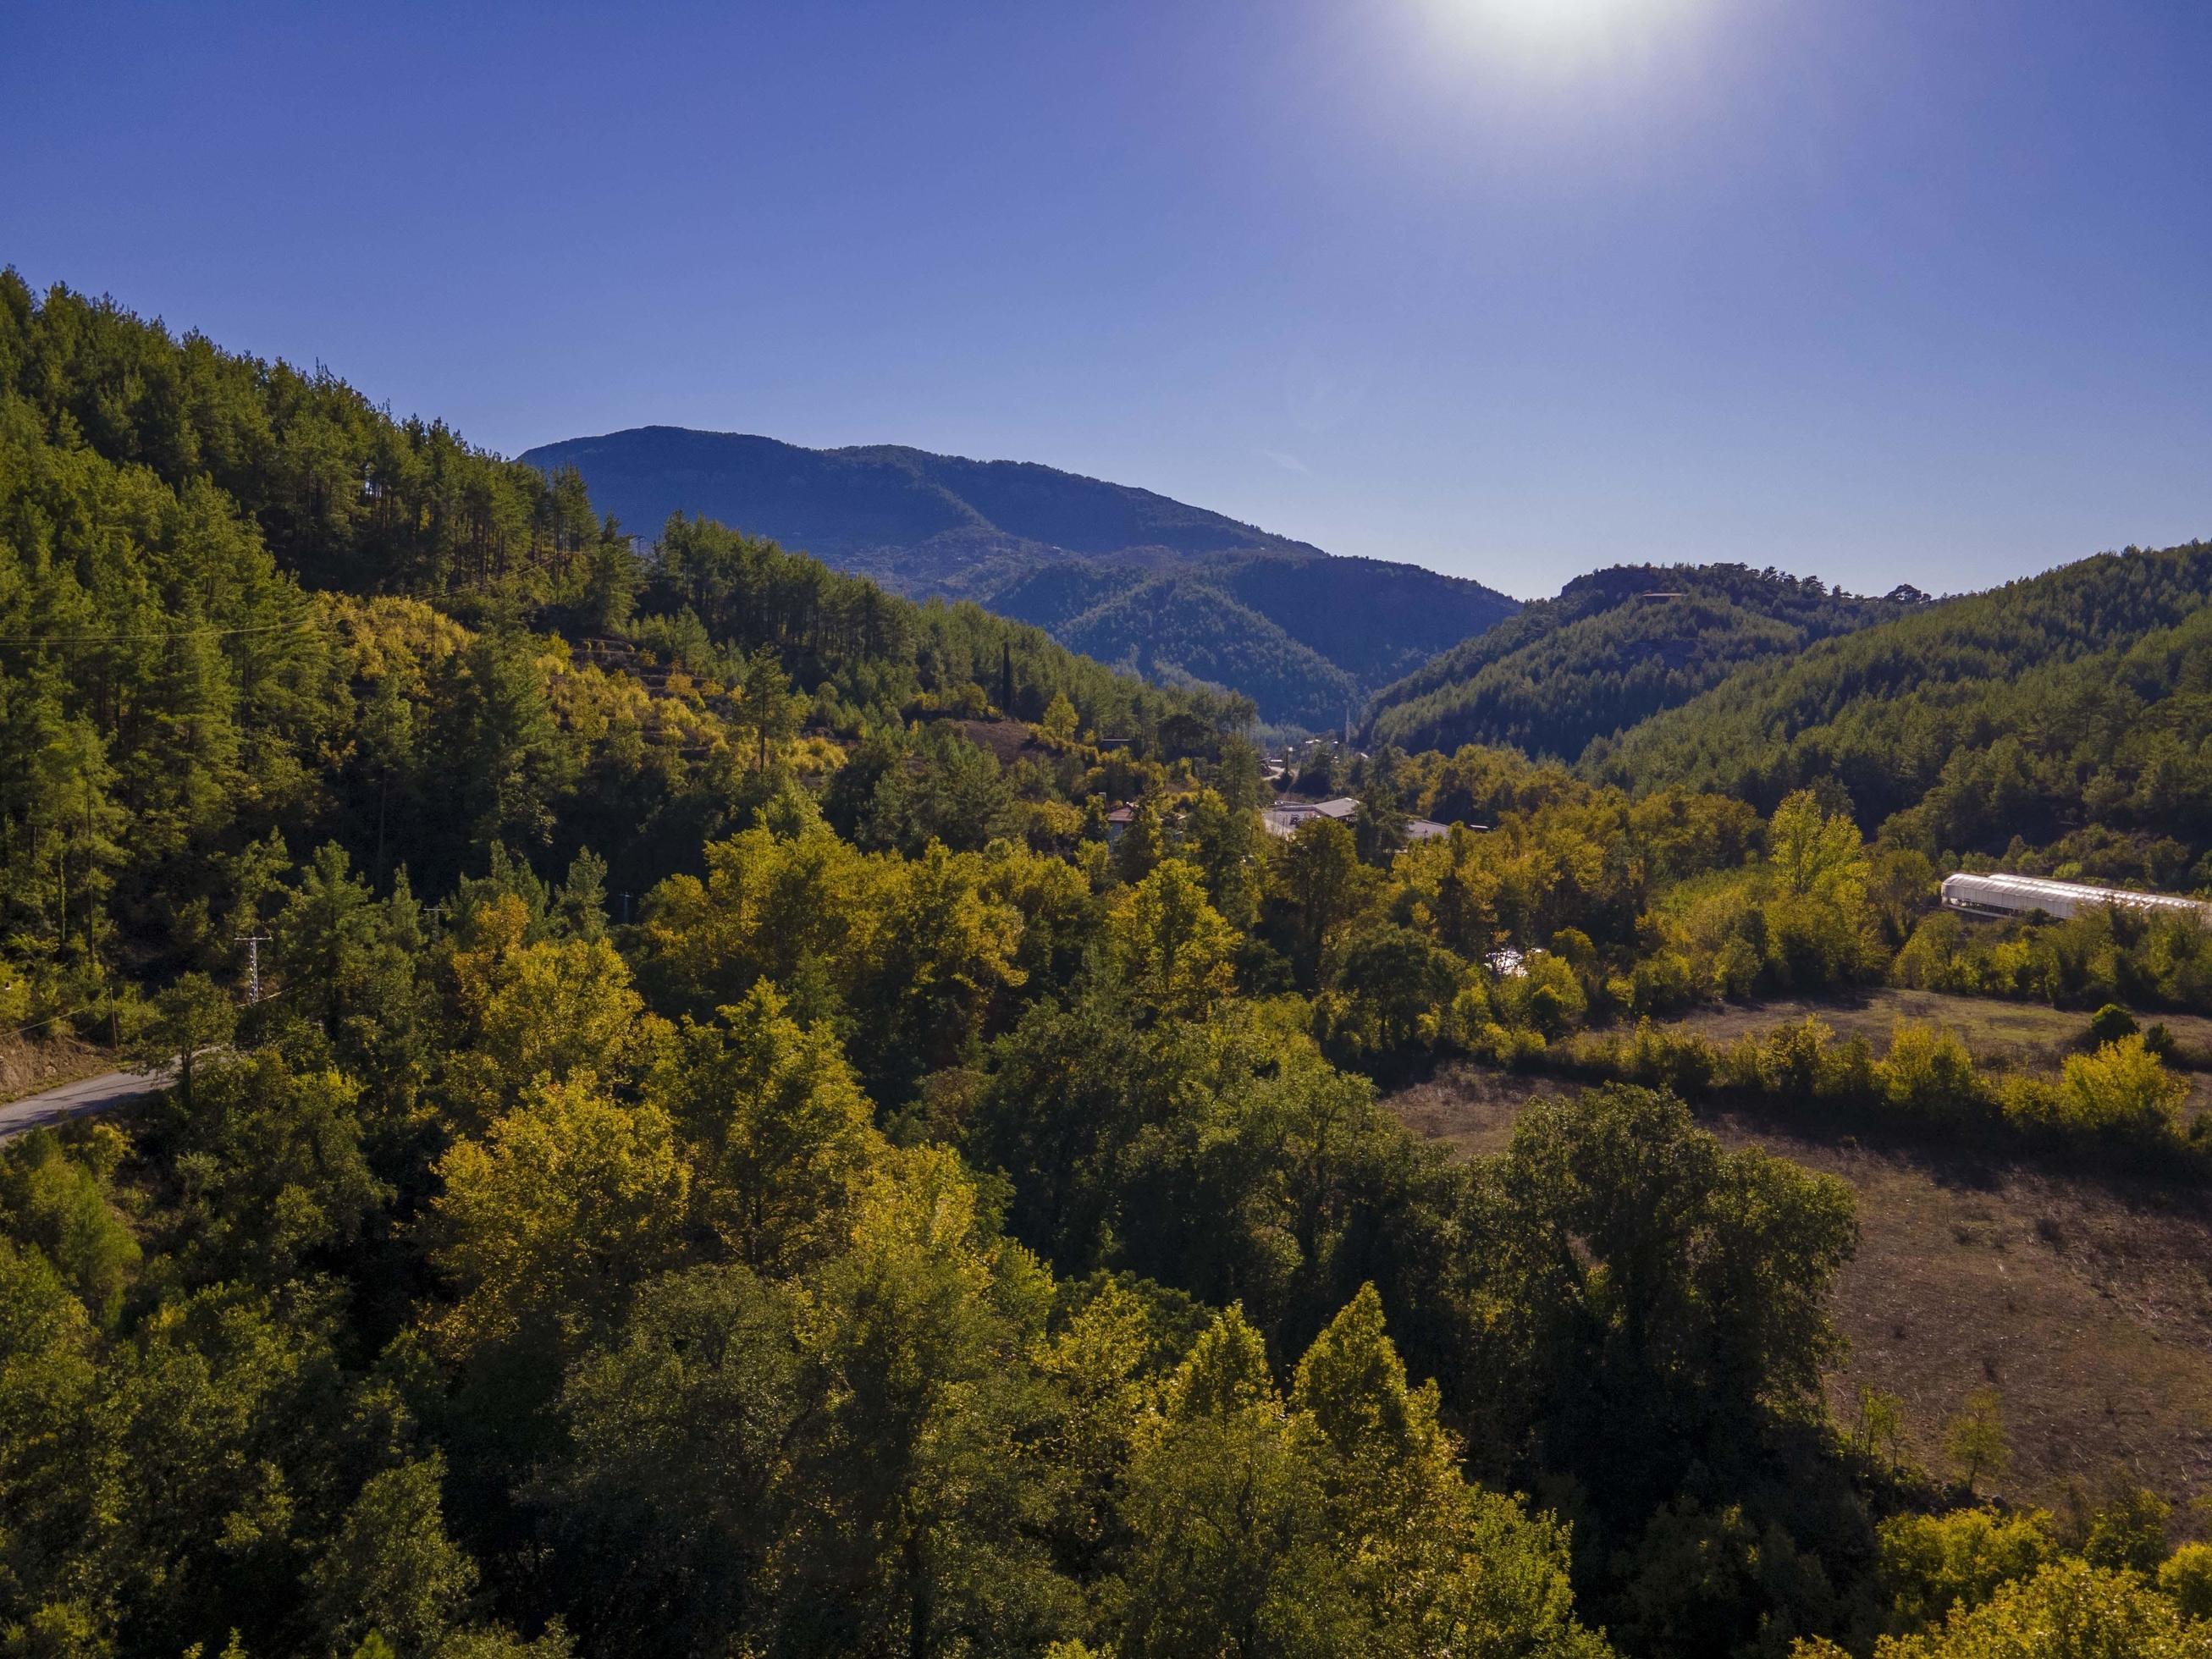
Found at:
(1881, 291)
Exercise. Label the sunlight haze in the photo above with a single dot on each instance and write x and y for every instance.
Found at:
(1861, 288)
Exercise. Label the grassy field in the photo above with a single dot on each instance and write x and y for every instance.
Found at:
(2088, 1303)
(2016, 1036)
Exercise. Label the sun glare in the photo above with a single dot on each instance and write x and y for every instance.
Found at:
(1561, 31)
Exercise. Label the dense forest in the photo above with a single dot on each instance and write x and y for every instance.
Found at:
(1614, 648)
(1176, 628)
(1124, 576)
(736, 1154)
(2058, 722)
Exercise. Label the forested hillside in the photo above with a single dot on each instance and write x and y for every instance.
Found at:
(1616, 647)
(1181, 629)
(1126, 575)
(2065, 712)
(181, 680)
(735, 1156)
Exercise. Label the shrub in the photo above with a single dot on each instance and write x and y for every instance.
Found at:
(2123, 1089)
(2129, 1533)
(1664, 1057)
(1660, 983)
(2109, 1024)
(1930, 1563)
(2186, 1578)
(1790, 1059)
(1507, 1045)
(1929, 1072)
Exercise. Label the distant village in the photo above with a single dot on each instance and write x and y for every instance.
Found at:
(1283, 768)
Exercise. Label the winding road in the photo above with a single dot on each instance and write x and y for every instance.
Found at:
(67, 1100)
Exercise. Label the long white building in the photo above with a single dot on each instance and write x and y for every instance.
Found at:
(2000, 895)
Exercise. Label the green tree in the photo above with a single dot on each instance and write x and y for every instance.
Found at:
(1931, 1564)
(277, 1180)
(676, 1487)
(924, 1499)
(1315, 885)
(1142, 845)
(2068, 1611)
(1652, 1291)
(391, 1571)
(193, 1021)
(1059, 720)
(1379, 827)
(782, 1133)
(1171, 947)
(544, 1224)
(1975, 1440)
(60, 1205)
(1814, 854)
(2186, 1580)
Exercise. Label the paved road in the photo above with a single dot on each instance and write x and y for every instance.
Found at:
(87, 1094)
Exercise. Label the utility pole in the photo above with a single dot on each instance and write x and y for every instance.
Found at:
(252, 942)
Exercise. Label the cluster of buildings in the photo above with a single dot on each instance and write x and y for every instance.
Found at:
(1284, 818)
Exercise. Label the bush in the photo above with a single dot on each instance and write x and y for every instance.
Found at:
(2129, 1534)
(1546, 994)
(2123, 1089)
(2109, 1024)
(1930, 1564)
(1929, 1072)
(2186, 1578)
(1507, 1045)
(1660, 983)
(1666, 1057)
(1788, 1062)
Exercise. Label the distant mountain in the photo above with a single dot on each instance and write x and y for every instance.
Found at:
(1131, 577)
(1616, 647)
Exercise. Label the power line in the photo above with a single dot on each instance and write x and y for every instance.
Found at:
(177, 634)
(66, 1013)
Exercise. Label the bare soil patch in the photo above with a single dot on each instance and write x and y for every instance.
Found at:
(26, 1066)
(1008, 739)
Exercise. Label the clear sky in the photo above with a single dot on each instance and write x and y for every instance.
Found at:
(1879, 290)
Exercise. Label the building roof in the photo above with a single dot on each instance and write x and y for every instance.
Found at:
(2001, 891)
(1284, 817)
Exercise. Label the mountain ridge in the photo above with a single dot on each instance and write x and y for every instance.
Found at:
(1144, 578)
(1616, 647)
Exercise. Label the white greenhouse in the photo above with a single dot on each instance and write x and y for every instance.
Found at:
(1999, 894)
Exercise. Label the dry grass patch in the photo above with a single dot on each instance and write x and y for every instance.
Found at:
(2087, 1303)
(2020, 1036)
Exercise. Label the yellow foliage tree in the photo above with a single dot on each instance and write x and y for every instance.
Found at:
(1172, 948)
(565, 1202)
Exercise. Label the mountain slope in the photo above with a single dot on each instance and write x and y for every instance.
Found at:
(2075, 704)
(1298, 630)
(1614, 647)
(1171, 630)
